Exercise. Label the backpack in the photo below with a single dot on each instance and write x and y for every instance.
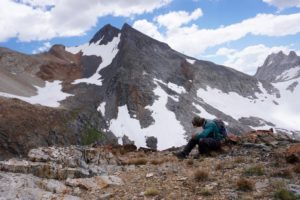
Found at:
(221, 125)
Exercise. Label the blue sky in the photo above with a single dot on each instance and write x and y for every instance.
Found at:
(235, 33)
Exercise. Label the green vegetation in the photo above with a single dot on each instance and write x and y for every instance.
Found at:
(90, 135)
(284, 194)
(257, 170)
(151, 192)
(206, 192)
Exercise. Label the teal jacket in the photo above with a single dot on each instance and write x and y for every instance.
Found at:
(210, 130)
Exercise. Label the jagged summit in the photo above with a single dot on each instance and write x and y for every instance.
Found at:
(105, 34)
(292, 54)
(278, 65)
(139, 39)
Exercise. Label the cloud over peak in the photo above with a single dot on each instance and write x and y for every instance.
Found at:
(45, 19)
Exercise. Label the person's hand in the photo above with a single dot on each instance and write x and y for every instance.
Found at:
(194, 135)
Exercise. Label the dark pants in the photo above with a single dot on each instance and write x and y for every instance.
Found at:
(205, 145)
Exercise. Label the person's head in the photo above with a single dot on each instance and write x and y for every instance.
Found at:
(198, 121)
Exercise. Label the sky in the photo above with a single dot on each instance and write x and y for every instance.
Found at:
(235, 33)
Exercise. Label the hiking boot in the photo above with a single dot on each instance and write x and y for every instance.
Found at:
(180, 155)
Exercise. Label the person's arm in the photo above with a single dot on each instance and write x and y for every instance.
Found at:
(204, 133)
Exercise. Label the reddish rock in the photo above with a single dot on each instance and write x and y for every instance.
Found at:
(293, 153)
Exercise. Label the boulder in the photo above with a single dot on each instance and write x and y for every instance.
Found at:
(27, 186)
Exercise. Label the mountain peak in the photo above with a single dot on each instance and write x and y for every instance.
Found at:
(276, 65)
(105, 34)
(292, 54)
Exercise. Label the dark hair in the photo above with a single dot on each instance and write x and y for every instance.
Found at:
(198, 121)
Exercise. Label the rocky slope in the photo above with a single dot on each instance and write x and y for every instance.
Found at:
(259, 165)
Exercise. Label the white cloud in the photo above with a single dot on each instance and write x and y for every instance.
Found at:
(43, 48)
(282, 4)
(176, 19)
(248, 59)
(39, 3)
(30, 20)
(193, 40)
(149, 28)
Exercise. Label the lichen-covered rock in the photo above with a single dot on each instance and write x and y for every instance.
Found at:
(43, 170)
(26, 186)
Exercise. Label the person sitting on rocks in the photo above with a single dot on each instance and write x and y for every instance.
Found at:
(209, 139)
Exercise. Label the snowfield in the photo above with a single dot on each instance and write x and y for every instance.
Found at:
(106, 52)
(167, 129)
(285, 115)
(289, 74)
(50, 95)
(191, 61)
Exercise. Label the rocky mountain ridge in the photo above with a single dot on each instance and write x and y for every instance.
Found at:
(279, 67)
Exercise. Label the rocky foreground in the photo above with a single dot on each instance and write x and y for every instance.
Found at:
(261, 165)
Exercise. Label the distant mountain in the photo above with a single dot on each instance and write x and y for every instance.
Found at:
(130, 87)
(279, 67)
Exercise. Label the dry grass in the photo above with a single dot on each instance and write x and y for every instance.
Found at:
(245, 184)
(151, 192)
(157, 161)
(201, 175)
(257, 170)
(190, 162)
(297, 169)
(219, 166)
(278, 184)
(141, 154)
(284, 173)
(137, 161)
(239, 159)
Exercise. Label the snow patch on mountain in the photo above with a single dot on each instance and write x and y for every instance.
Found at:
(191, 61)
(101, 108)
(166, 128)
(176, 88)
(289, 74)
(202, 112)
(50, 95)
(285, 115)
(289, 104)
(106, 52)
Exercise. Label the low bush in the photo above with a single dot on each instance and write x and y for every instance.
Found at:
(245, 184)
